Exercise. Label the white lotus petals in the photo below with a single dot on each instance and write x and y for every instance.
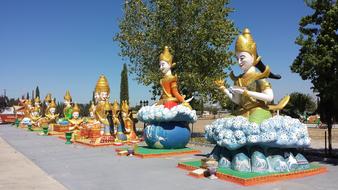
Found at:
(278, 131)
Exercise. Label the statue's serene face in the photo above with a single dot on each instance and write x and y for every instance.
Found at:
(37, 104)
(104, 96)
(47, 104)
(91, 114)
(67, 103)
(35, 113)
(52, 110)
(96, 96)
(164, 67)
(76, 115)
(124, 114)
(245, 60)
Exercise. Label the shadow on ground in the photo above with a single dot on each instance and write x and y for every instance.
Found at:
(321, 156)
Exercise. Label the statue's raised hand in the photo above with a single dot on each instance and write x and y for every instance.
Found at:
(220, 83)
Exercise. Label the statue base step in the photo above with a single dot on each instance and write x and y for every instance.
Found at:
(249, 178)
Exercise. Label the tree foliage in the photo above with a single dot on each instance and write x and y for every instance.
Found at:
(37, 92)
(124, 91)
(198, 33)
(317, 59)
(299, 104)
(3, 102)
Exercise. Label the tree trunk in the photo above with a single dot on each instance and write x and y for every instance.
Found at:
(329, 129)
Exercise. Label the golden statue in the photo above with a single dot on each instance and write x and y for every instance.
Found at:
(37, 103)
(169, 82)
(27, 108)
(91, 119)
(119, 134)
(35, 116)
(48, 100)
(128, 123)
(102, 92)
(76, 121)
(51, 116)
(251, 90)
(67, 111)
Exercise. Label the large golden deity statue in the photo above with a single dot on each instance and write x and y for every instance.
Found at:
(102, 92)
(251, 90)
(169, 83)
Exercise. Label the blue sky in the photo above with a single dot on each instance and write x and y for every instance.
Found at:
(67, 44)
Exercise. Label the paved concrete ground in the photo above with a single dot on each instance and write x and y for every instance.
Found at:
(18, 172)
(79, 167)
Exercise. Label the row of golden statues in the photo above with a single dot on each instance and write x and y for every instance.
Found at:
(105, 118)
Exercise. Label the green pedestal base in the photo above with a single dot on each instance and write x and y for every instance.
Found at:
(146, 152)
(45, 131)
(68, 137)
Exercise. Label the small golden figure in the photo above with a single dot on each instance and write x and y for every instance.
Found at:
(67, 111)
(128, 122)
(51, 116)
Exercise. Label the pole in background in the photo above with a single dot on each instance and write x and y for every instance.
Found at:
(325, 144)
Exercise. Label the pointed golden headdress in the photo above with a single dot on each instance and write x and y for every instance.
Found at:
(67, 96)
(76, 108)
(37, 100)
(102, 85)
(116, 107)
(28, 102)
(246, 43)
(125, 107)
(52, 104)
(48, 98)
(166, 56)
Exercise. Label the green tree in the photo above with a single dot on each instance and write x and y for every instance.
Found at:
(93, 97)
(317, 58)
(299, 104)
(3, 102)
(197, 104)
(37, 92)
(84, 109)
(59, 109)
(27, 96)
(13, 102)
(33, 96)
(124, 91)
(198, 33)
